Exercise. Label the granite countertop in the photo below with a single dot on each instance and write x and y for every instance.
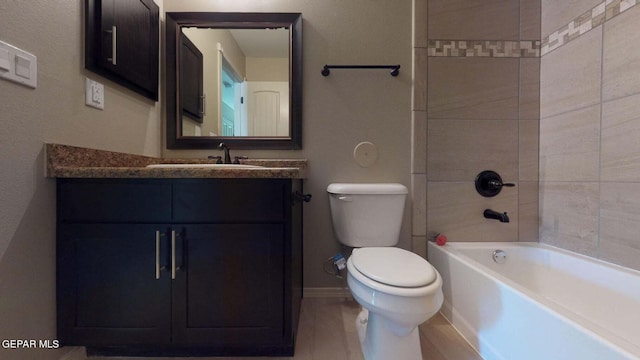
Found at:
(64, 161)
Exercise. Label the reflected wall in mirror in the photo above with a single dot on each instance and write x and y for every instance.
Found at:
(234, 78)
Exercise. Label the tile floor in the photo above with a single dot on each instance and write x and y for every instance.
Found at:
(327, 331)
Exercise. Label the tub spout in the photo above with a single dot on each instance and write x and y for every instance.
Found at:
(490, 214)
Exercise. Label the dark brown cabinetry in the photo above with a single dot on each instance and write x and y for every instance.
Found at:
(191, 86)
(121, 43)
(179, 267)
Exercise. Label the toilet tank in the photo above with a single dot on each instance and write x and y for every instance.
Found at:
(367, 214)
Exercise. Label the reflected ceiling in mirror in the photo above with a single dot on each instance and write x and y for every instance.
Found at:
(234, 78)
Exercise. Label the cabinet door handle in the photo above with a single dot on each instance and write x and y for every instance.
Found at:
(203, 103)
(114, 47)
(298, 196)
(173, 254)
(158, 254)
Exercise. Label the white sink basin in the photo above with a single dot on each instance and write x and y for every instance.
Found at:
(206, 166)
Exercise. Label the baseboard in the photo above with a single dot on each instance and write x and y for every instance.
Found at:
(74, 353)
(326, 292)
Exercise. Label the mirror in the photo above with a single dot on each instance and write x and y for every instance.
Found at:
(234, 78)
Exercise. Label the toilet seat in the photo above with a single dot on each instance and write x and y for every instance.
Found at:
(393, 266)
(431, 288)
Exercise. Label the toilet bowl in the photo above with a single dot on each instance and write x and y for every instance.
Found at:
(388, 324)
(397, 289)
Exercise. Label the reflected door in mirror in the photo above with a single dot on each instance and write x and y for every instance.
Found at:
(268, 102)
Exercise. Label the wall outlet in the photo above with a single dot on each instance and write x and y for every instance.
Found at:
(94, 94)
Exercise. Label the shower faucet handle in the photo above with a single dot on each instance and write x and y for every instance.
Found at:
(489, 183)
(498, 184)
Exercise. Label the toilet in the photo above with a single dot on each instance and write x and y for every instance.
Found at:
(397, 289)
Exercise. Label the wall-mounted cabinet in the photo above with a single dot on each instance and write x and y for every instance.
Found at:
(191, 80)
(121, 43)
(180, 267)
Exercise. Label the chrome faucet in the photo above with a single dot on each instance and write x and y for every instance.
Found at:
(227, 157)
(490, 214)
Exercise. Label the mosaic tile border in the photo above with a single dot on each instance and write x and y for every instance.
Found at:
(598, 15)
(484, 48)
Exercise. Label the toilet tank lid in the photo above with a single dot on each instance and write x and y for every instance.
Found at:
(366, 188)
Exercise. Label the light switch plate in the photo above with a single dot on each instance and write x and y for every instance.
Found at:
(94, 94)
(5, 64)
(23, 67)
(18, 65)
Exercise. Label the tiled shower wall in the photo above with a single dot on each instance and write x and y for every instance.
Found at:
(476, 107)
(590, 128)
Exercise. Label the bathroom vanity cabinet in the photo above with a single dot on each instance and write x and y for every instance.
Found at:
(180, 267)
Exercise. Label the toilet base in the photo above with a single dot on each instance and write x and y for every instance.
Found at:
(378, 342)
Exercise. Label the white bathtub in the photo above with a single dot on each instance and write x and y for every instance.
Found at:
(542, 303)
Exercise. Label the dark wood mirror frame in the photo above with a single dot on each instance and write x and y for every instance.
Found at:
(175, 21)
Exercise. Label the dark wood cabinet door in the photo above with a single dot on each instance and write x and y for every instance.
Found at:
(108, 292)
(237, 260)
(191, 81)
(121, 43)
(228, 293)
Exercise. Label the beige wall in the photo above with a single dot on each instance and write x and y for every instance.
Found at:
(475, 111)
(267, 69)
(590, 131)
(53, 112)
(343, 109)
